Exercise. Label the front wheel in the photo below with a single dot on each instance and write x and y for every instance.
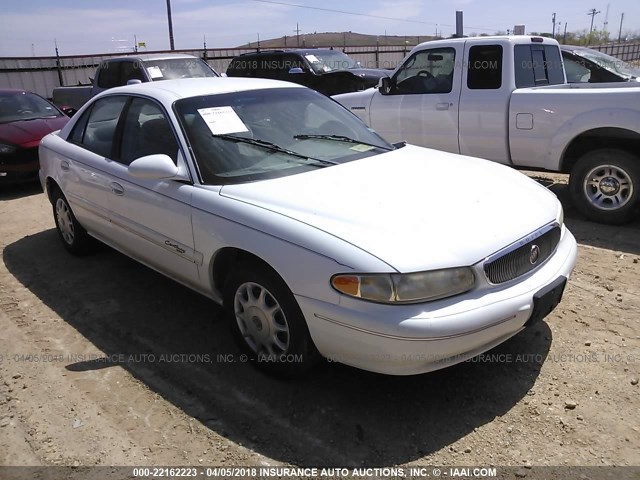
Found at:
(267, 322)
(605, 185)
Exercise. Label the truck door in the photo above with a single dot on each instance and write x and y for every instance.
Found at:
(421, 106)
(484, 112)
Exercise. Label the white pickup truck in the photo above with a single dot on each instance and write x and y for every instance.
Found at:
(120, 71)
(506, 99)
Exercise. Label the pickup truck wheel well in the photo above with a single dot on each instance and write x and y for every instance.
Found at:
(229, 257)
(599, 138)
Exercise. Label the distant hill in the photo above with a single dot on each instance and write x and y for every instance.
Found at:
(337, 39)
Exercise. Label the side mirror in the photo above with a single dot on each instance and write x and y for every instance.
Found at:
(385, 85)
(154, 167)
(295, 71)
(134, 81)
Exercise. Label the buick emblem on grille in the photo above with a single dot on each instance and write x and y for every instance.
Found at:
(534, 255)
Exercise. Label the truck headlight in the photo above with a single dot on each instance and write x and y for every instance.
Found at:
(6, 149)
(405, 287)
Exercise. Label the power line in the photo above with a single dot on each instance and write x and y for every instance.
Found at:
(345, 12)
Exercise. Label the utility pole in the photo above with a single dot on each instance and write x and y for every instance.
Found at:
(297, 30)
(204, 45)
(564, 37)
(58, 65)
(620, 32)
(592, 13)
(258, 42)
(553, 22)
(135, 43)
(171, 44)
(606, 21)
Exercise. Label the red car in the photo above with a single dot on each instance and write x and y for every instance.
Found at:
(24, 119)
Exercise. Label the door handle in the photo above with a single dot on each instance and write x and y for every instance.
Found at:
(116, 188)
(443, 106)
(64, 165)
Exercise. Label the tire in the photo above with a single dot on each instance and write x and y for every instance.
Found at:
(605, 185)
(73, 235)
(267, 322)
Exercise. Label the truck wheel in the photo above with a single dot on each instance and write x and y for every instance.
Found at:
(267, 322)
(73, 235)
(605, 185)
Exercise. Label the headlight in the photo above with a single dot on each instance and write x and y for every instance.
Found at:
(6, 149)
(405, 287)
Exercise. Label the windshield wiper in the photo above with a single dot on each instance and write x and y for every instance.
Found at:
(272, 146)
(338, 138)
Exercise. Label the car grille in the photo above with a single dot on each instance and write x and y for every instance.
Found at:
(513, 263)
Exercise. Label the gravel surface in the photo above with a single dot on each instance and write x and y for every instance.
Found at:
(105, 362)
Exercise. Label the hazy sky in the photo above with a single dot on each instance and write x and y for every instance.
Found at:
(30, 27)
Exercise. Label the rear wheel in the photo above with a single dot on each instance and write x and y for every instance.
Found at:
(74, 237)
(605, 185)
(267, 322)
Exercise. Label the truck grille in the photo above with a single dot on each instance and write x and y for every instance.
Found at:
(523, 259)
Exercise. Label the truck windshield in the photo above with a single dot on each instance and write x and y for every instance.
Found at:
(171, 69)
(269, 133)
(330, 60)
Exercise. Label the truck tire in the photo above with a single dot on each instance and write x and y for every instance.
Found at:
(605, 185)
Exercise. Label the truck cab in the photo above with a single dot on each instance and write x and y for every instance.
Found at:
(506, 99)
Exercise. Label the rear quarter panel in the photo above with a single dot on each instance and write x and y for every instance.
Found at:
(544, 120)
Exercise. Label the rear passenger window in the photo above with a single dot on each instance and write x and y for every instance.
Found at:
(109, 75)
(485, 67)
(101, 125)
(538, 65)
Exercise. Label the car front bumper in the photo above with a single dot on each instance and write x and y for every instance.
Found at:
(19, 167)
(413, 339)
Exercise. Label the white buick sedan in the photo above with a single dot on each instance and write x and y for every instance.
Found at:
(318, 237)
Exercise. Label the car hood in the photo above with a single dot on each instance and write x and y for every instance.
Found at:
(413, 208)
(28, 133)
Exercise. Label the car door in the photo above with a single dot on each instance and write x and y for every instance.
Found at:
(151, 218)
(82, 174)
(422, 105)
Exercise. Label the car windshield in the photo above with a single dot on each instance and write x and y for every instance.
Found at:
(171, 69)
(16, 106)
(610, 63)
(330, 60)
(269, 133)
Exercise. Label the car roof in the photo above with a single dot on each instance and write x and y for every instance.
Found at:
(301, 51)
(170, 90)
(152, 56)
(13, 90)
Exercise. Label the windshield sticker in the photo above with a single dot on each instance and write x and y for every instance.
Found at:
(222, 120)
(154, 72)
(362, 148)
(312, 58)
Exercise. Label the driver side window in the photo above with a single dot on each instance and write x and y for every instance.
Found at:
(427, 71)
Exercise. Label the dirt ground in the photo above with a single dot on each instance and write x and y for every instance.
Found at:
(105, 362)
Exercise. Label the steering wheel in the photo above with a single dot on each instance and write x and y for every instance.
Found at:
(425, 73)
(24, 112)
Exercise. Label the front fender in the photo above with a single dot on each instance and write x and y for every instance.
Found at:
(358, 103)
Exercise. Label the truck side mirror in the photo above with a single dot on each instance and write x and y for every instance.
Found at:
(385, 85)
